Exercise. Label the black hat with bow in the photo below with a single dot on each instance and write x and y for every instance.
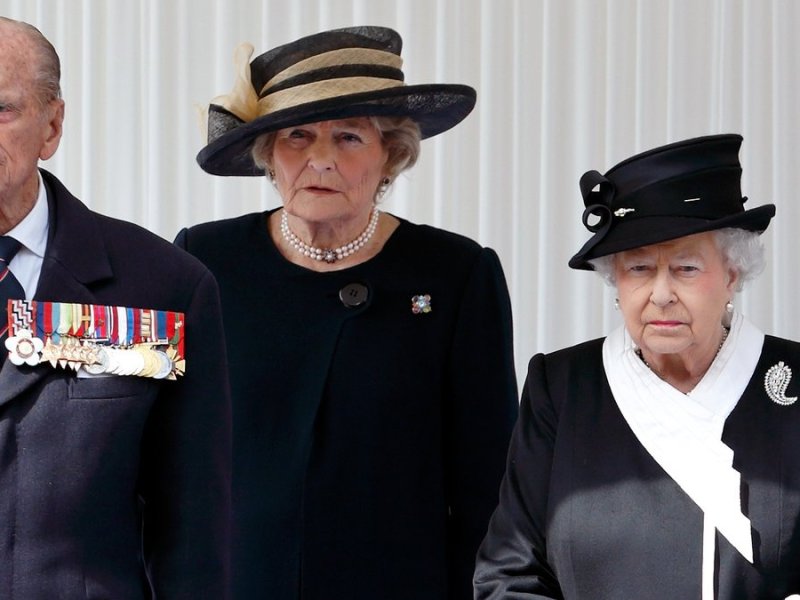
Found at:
(665, 193)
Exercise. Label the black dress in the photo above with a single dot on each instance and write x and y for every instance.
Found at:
(369, 440)
(586, 513)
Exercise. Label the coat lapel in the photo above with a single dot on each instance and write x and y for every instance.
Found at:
(75, 260)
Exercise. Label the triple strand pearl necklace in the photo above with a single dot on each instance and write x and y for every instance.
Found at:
(329, 255)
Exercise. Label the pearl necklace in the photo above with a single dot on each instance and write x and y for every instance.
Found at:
(725, 331)
(329, 255)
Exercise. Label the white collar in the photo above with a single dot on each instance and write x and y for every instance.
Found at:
(683, 432)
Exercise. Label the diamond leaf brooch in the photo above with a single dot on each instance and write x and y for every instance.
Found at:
(776, 381)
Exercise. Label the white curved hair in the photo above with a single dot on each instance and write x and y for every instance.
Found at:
(741, 249)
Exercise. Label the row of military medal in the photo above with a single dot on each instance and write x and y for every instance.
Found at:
(87, 355)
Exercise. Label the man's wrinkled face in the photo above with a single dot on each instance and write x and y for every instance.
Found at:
(29, 130)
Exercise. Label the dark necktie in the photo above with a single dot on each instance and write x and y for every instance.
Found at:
(9, 287)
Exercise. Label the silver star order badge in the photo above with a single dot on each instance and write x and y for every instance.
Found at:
(776, 381)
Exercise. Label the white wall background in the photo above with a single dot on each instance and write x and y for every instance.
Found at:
(564, 86)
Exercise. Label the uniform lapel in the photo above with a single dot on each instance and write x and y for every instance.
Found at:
(75, 260)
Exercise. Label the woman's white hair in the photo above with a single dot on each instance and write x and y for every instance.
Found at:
(741, 250)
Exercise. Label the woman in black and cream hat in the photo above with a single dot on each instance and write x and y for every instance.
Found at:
(370, 358)
(663, 461)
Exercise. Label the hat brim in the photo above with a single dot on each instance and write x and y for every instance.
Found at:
(646, 231)
(434, 107)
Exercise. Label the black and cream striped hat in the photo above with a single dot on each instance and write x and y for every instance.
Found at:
(337, 74)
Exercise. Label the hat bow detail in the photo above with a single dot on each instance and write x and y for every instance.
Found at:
(597, 202)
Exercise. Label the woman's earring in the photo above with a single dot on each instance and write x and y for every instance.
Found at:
(616, 303)
(383, 186)
(271, 174)
(729, 307)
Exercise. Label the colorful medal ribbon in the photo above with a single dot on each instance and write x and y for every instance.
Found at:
(97, 339)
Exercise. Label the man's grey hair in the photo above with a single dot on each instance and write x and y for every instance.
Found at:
(47, 71)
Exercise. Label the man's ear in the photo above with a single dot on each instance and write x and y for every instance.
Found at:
(54, 115)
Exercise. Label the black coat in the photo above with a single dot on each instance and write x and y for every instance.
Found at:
(92, 470)
(369, 441)
(586, 513)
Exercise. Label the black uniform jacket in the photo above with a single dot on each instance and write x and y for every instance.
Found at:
(369, 440)
(111, 485)
(586, 513)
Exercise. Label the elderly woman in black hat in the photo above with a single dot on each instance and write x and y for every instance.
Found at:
(662, 462)
(370, 358)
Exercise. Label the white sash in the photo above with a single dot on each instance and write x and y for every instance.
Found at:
(683, 432)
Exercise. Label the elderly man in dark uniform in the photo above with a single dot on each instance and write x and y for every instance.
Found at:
(114, 409)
